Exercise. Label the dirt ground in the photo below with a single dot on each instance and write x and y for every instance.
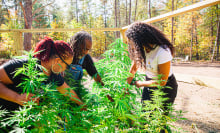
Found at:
(200, 104)
(201, 107)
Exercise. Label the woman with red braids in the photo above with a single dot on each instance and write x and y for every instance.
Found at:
(55, 57)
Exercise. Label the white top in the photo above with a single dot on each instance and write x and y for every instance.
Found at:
(155, 57)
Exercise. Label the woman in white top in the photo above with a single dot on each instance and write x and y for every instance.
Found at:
(150, 49)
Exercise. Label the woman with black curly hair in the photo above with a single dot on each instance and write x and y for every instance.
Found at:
(81, 43)
(151, 50)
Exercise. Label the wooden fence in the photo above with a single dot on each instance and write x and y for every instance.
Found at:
(18, 33)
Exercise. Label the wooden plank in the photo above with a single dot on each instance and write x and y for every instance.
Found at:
(18, 43)
(193, 7)
(123, 37)
(4, 30)
(60, 30)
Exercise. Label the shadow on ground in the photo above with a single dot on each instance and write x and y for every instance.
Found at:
(198, 126)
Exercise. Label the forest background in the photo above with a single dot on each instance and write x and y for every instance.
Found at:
(194, 34)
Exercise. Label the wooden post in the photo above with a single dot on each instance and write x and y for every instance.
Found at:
(17, 49)
(123, 37)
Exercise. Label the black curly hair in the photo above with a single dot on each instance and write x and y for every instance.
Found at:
(78, 44)
(144, 35)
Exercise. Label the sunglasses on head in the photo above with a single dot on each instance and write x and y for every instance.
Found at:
(68, 66)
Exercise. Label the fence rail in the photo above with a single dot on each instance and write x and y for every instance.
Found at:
(18, 40)
(59, 30)
(193, 7)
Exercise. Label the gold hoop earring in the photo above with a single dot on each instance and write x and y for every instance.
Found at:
(52, 68)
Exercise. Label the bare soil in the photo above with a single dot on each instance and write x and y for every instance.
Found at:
(201, 104)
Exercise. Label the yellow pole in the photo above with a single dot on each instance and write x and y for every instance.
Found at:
(123, 37)
(18, 43)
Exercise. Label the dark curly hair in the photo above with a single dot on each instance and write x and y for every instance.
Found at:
(143, 34)
(78, 43)
(47, 48)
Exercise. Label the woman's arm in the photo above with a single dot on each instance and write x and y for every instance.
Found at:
(8, 94)
(74, 97)
(97, 78)
(132, 70)
(164, 70)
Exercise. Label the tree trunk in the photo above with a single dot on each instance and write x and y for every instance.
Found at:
(116, 18)
(196, 40)
(129, 17)
(149, 9)
(172, 24)
(105, 44)
(135, 10)
(192, 28)
(71, 12)
(217, 52)
(77, 16)
(212, 32)
(6, 8)
(16, 6)
(216, 40)
(105, 15)
(105, 23)
(119, 17)
(116, 14)
(28, 24)
(90, 21)
(126, 12)
(191, 38)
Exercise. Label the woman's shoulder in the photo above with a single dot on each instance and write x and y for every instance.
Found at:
(15, 62)
(163, 50)
(88, 56)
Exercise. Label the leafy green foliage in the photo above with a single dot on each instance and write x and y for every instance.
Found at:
(56, 113)
(7, 38)
(57, 35)
(5, 54)
(40, 17)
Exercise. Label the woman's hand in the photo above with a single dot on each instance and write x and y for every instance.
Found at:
(23, 98)
(138, 84)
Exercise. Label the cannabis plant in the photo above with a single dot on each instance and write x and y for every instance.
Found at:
(114, 107)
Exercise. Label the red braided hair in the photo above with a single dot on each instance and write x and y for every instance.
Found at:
(63, 49)
(47, 48)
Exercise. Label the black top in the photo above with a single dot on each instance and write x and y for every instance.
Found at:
(10, 68)
(87, 64)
